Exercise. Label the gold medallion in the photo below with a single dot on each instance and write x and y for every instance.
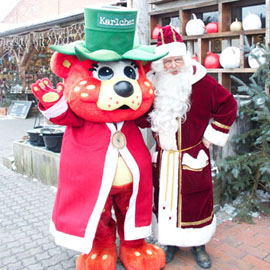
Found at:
(119, 140)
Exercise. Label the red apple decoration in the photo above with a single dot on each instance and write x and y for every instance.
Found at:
(155, 31)
(211, 60)
(211, 27)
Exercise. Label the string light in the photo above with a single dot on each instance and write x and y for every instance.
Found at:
(42, 39)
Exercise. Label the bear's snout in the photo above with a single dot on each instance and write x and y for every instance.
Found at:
(123, 89)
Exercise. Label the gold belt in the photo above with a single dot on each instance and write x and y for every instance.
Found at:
(185, 149)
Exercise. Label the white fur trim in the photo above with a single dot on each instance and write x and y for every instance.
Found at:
(57, 109)
(154, 157)
(168, 234)
(154, 153)
(169, 184)
(165, 230)
(70, 241)
(195, 163)
(132, 232)
(216, 137)
(174, 49)
(200, 71)
(167, 141)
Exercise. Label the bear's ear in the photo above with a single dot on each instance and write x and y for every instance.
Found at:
(62, 63)
(146, 66)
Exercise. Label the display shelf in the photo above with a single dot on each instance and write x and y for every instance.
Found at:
(227, 34)
(159, 1)
(226, 11)
(231, 70)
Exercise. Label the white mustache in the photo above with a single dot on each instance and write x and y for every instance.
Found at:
(170, 70)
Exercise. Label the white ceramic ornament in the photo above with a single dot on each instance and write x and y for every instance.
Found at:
(230, 57)
(259, 59)
(195, 26)
(236, 26)
(252, 22)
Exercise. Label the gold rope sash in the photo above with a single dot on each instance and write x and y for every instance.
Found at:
(173, 152)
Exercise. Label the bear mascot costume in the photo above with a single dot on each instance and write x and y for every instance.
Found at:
(104, 162)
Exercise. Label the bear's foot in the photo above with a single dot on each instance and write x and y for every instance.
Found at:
(143, 257)
(99, 258)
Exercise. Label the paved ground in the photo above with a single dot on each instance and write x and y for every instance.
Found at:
(25, 242)
(234, 247)
(25, 211)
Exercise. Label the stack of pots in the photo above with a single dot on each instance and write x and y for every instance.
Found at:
(49, 136)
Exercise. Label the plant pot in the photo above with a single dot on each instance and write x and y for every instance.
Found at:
(53, 142)
(35, 137)
(53, 138)
(52, 130)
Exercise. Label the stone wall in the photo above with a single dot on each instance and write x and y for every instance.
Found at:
(36, 162)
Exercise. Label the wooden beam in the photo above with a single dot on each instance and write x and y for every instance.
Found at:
(181, 5)
(23, 60)
(27, 56)
(203, 49)
(242, 53)
(225, 17)
(224, 80)
(184, 17)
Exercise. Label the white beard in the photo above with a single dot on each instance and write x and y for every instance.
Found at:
(171, 101)
(171, 105)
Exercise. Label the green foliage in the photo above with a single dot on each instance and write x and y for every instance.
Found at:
(249, 170)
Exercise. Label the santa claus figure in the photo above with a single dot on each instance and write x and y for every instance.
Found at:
(191, 111)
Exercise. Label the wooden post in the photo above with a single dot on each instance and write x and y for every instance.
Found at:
(203, 49)
(224, 80)
(225, 17)
(142, 29)
(243, 60)
(184, 17)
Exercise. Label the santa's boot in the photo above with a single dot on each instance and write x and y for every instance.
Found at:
(202, 257)
(100, 258)
(170, 252)
(139, 255)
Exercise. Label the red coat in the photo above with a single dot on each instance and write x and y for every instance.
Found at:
(87, 168)
(182, 179)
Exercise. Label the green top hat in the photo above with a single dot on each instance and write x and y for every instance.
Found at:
(109, 36)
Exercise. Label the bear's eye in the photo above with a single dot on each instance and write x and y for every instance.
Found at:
(105, 73)
(130, 72)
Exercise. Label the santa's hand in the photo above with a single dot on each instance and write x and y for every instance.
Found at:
(206, 143)
(45, 93)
